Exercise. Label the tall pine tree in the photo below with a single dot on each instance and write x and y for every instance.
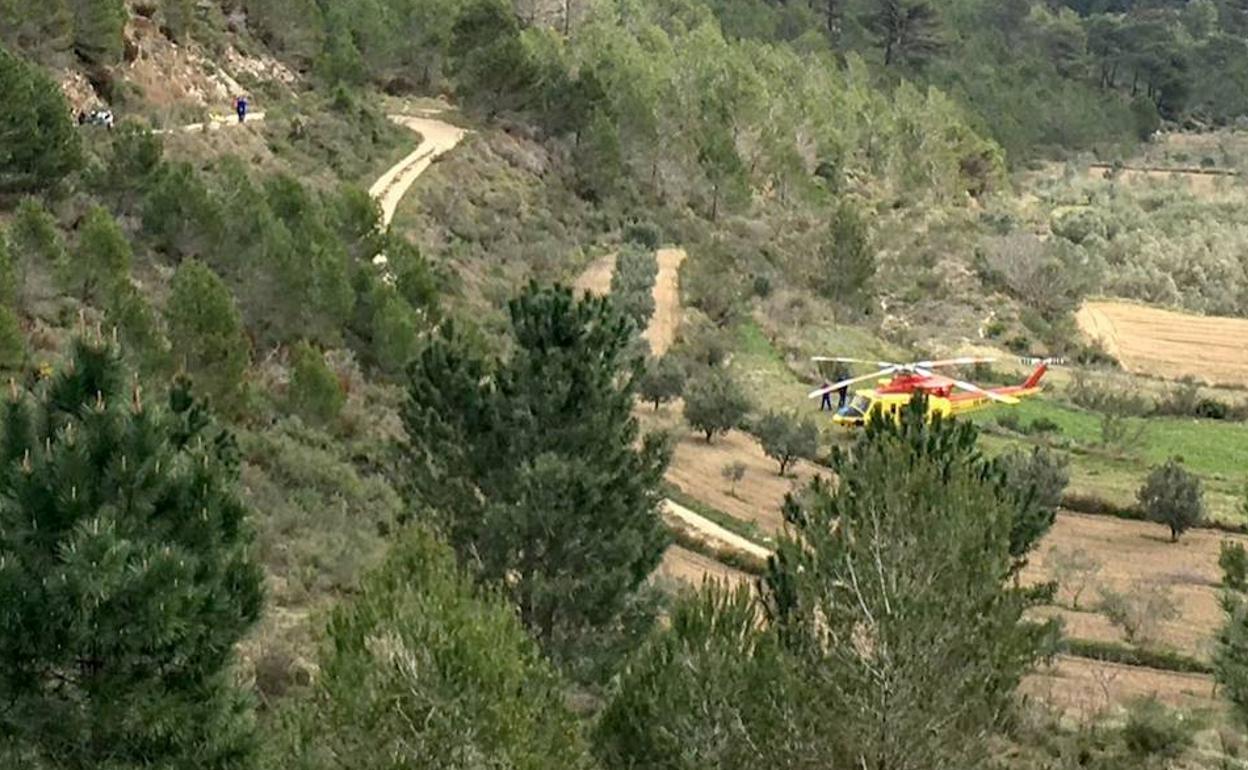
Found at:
(38, 142)
(894, 592)
(206, 332)
(536, 463)
(127, 577)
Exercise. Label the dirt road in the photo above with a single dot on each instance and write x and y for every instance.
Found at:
(1164, 343)
(661, 332)
(437, 138)
(712, 530)
(214, 123)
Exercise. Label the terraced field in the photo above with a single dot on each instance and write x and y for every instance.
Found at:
(1164, 343)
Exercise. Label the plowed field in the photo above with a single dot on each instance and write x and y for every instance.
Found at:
(1165, 343)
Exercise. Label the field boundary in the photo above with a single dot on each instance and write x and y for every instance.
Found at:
(1167, 169)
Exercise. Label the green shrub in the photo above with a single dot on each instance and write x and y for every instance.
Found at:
(1154, 730)
(632, 284)
(1114, 652)
(644, 234)
(315, 392)
(1077, 224)
(1233, 560)
(1043, 425)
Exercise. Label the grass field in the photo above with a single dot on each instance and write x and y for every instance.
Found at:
(1215, 450)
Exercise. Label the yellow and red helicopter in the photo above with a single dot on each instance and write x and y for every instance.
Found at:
(899, 382)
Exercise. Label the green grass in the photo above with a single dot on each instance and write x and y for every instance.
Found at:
(1215, 450)
(1115, 652)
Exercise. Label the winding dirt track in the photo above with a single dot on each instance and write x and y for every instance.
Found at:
(437, 138)
(1164, 343)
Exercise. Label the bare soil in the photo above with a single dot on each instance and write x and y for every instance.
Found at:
(685, 566)
(1085, 688)
(1134, 555)
(597, 277)
(1169, 344)
(697, 468)
(661, 332)
(437, 138)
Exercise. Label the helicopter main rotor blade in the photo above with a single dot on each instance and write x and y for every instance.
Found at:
(839, 360)
(966, 361)
(846, 383)
(972, 387)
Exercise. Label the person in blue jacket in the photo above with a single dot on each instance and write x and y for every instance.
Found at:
(241, 105)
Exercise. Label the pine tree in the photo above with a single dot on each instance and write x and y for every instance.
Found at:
(206, 332)
(419, 671)
(1231, 656)
(846, 262)
(395, 332)
(536, 463)
(142, 341)
(8, 273)
(125, 566)
(908, 31)
(39, 145)
(180, 20)
(98, 28)
(894, 592)
(715, 689)
(12, 341)
(35, 244)
(315, 392)
(103, 256)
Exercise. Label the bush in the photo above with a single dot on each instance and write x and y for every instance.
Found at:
(644, 234)
(1113, 652)
(1043, 425)
(733, 472)
(1233, 560)
(315, 392)
(1154, 730)
(632, 284)
(1077, 224)
(1138, 613)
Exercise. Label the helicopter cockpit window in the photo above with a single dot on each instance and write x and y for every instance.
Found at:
(856, 408)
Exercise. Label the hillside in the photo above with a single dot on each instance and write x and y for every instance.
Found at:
(310, 460)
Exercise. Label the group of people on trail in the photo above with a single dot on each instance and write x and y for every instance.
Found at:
(97, 117)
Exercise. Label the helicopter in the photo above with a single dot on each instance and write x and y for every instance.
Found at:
(898, 383)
